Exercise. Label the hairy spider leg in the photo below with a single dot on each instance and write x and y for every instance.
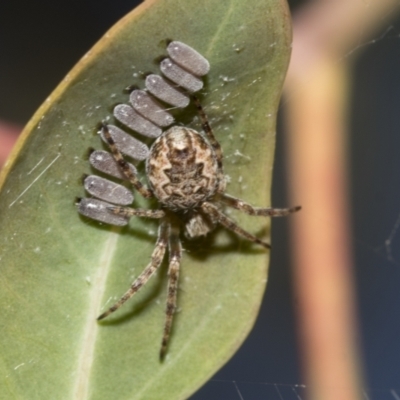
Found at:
(175, 254)
(208, 131)
(156, 259)
(124, 166)
(247, 208)
(213, 141)
(136, 212)
(229, 224)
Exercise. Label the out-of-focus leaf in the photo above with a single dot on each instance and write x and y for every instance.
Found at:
(58, 270)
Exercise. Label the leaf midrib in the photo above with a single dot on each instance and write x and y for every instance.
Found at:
(91, 327)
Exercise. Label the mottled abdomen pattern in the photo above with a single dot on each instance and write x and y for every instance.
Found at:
(182, 169)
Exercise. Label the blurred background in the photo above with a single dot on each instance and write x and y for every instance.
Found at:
(41, 41)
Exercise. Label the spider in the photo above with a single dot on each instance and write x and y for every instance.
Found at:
(185, 174)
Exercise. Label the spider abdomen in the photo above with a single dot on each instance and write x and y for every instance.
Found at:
(182, 169)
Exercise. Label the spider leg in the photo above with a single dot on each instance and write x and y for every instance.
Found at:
(126, 170)
(213, 141)
(141, 280)
(218, 216)
(208, 131)
(241, 205)
(175, 254)
(136, 212)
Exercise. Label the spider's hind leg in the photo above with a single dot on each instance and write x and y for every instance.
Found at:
(124, 166)
(136, 212)
(225, 221)
(208, 131)
(213, 141)
(241, 205)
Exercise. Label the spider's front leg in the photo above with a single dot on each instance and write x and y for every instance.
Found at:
(241, 205)
(175, 254)
(141, 280)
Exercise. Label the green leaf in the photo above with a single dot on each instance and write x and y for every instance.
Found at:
(60, 270)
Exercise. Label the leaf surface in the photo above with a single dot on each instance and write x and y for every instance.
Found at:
(59, 270)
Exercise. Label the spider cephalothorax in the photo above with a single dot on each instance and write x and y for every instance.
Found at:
(184, 171)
